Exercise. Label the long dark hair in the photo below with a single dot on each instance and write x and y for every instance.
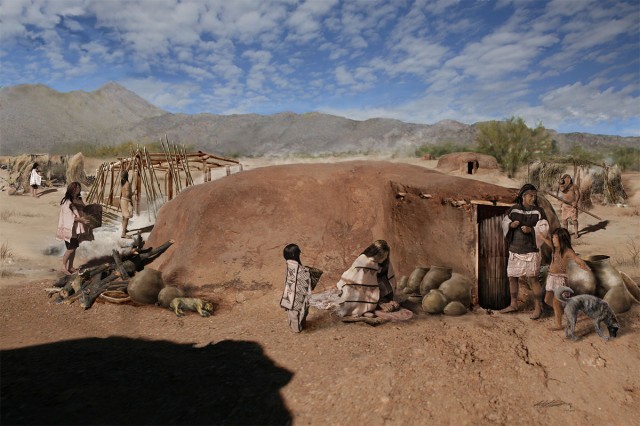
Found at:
(292, 252)
(526, 187)
(376, 248)
(564, 238)
(35, 166)
(124, 178)
(71, 188)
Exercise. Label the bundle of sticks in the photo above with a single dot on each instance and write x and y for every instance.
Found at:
(112, 276)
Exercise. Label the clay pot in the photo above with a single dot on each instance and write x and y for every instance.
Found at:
(145, 286)
(631, 286)
(457, 288)
(167, 294)
(607, 276)
(413, 284)
(580, 281)
(402, 283)
(432, 280)
(434, 302)
(619, 299)
(455, 308)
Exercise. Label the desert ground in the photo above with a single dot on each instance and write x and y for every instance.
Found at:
(127, 364)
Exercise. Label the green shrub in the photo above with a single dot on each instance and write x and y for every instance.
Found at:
(627, 158)
(512, 143)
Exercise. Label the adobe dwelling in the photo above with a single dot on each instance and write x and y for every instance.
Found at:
(467, 162)
(230, 233)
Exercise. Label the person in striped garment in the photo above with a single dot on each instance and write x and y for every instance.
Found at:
(368, 284)
(524, 227)
(297, 288)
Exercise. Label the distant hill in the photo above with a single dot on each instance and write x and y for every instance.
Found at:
(36, 118)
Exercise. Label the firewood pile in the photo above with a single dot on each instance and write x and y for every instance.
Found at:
(108, 280)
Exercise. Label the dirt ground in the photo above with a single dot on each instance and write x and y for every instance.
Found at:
(125, 364)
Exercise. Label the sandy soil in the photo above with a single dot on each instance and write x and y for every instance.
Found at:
(124, 364)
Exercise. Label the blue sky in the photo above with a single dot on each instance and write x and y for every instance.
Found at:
(573, 65)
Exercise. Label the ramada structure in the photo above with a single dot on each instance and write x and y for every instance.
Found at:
(156, 177)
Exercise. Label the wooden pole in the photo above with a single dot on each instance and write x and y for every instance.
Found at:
(582, 210)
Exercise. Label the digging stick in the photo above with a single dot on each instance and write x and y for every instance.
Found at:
(567, 203)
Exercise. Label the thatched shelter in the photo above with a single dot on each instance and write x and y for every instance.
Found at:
(231, 232)
(467, 162)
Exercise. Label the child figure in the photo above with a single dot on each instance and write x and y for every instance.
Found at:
(35, 180)
(560, 243)
(297, 288)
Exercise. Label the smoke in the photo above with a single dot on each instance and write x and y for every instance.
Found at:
(106, 239)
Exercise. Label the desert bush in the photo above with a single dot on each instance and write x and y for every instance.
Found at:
(627, 158)
(5, 252)
(607, 185)
(512, 143)
(545, 176)
(581, 155)
(439, 150)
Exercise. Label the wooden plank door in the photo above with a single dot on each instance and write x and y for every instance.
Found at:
(493, 283)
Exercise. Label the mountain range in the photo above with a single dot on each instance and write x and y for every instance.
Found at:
(38, 119)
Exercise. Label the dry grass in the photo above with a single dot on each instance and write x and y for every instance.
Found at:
(12, 216)
(631, 212)
(5, 252)
(632, 255)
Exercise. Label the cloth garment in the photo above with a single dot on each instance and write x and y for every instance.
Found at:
(359, 287)
(568, 212)
(524, 265)
(533, 217)
(556, 280)
(35, 178)
(325, 300)
(68, 228)
(401, 314)
(126, 207)
(297, 289)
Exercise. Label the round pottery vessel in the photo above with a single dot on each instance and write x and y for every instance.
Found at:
(457, 288)
(607, 277)
(436, 276)
(434, 302)
(580, 281)
(455, 309)
(413, 284)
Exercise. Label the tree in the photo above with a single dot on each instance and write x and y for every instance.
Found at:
(512, 143)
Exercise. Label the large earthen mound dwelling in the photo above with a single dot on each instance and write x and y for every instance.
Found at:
(230, 232)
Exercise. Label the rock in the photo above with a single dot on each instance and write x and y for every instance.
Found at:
(167, 294)
(145, 286)
(455, 308)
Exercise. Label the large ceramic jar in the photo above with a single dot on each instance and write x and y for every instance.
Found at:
(580, 281)
(607, 276)
(413, 284)
(436, 276)
(457, 288)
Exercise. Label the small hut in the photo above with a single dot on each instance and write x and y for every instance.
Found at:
(467, 162)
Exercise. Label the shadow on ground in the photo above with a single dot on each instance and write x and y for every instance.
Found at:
(47, 191)
(593, 228)
(125, 381)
